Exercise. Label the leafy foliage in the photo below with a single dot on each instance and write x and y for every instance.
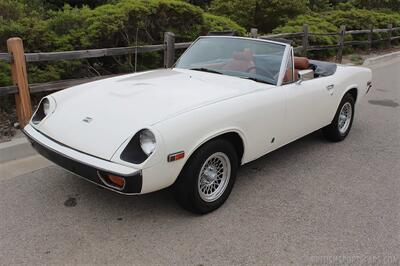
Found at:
(58, 4)
(330, 22)
(111, 25)
(55, 25)
(262, 14)
(319, 5)
(379, 4)
(317, 24)
(219, 23)
(201, 3)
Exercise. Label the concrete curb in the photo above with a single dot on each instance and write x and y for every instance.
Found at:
(15, 149)
(381, 59)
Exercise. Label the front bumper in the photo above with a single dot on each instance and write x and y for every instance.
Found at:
(84, 165)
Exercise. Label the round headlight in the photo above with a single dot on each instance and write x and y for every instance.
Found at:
(46, 106)
(147, 141)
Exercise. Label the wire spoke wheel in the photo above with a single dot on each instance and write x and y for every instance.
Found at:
(214, 177)
(345, 117)
(207, 179)
(341, 124)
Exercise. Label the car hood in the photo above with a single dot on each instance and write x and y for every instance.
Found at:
(97, 117)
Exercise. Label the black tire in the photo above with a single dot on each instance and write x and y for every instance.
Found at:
(186, 188)
(332, 132)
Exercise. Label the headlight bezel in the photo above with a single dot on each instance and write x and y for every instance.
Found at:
(45, 108)
(133, 152)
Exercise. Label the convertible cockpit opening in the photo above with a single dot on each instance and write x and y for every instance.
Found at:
(308, 69)
(241, 61)
(254, 59)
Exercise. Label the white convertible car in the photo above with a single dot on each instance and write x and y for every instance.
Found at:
(226, 102)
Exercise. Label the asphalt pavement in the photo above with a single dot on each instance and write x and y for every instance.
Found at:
(309, 203)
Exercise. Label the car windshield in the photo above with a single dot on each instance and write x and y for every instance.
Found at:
(249, 59)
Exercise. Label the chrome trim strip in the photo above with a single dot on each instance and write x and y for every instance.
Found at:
(100, 164)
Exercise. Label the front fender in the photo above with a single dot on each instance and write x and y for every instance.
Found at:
(215, 134)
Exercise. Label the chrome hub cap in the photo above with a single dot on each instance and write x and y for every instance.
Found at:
(214, 177)
(345, 116)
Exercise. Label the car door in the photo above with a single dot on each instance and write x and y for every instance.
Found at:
(308, 106)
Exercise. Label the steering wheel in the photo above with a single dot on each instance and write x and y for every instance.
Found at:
(264, 72)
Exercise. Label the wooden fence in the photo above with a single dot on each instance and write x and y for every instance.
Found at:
(18, 59)
(22, 90)
(341, 44)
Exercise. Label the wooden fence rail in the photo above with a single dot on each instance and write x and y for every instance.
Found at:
(18, 59)
(54, 85)
(5, 57)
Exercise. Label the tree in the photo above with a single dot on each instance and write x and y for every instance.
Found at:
(379, 4)
(201, 3)
(262, 14)
(74, 3)
(319, 5)
(110, 25)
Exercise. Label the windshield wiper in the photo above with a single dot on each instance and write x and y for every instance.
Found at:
(258, 80)
(207, 70)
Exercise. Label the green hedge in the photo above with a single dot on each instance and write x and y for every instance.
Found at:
(110, 25)
(330, 21)
(219, 23)
(262, 14)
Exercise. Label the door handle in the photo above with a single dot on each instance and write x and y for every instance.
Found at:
(330, 88)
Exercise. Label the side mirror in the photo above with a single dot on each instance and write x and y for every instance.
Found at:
(305, 75)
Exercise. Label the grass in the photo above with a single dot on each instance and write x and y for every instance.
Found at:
(356, 59)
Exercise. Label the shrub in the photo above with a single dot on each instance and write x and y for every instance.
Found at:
(76, 3)
(380, 4)
(5, 74)
(110, 25)
(262, 14)
(330, 22)
(218, 23)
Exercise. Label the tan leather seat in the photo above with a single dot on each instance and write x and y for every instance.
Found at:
(301, 63)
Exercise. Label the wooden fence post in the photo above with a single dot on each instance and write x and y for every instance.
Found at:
(254, 33)
(390, 29)
(305, 40)
(342, 33)
(370, 37)
(169, 49)
(20, 79)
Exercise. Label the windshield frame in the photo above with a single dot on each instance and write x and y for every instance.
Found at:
(287, 51)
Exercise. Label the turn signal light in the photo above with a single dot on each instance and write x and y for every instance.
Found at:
(112, 180)
(116, 180)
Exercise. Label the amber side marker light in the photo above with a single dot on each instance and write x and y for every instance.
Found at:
(112, 180)
(176, 156)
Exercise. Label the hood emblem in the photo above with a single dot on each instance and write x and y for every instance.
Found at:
(87, 119)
